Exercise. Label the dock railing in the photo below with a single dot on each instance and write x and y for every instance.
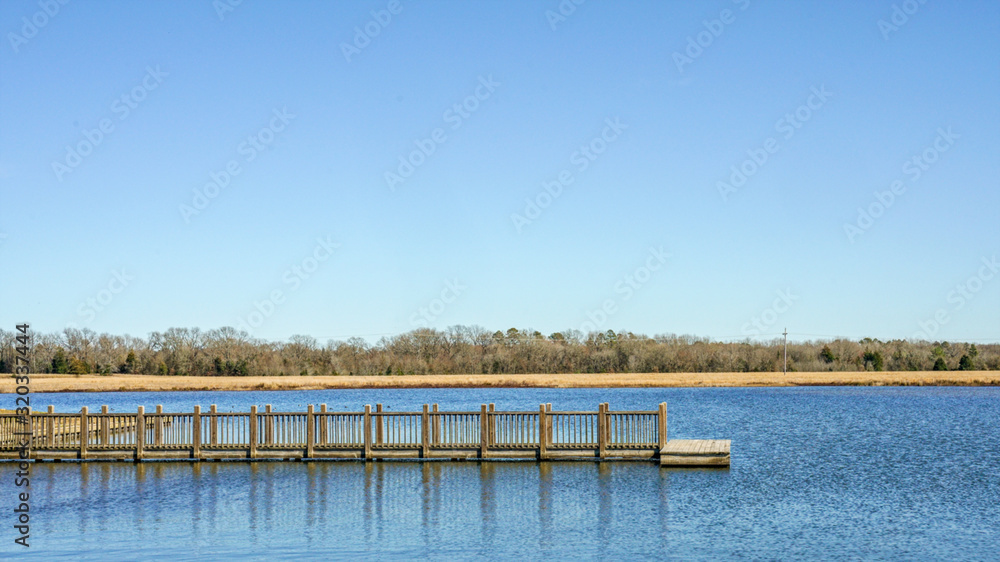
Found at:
(317, 434)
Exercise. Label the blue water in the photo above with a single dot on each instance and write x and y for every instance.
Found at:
(830, 472)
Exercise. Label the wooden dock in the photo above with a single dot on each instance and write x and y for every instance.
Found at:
(695, 452)
(371, 434)
(67, 429)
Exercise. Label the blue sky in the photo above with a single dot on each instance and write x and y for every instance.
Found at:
(249, 172)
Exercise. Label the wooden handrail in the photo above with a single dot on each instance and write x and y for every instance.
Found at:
(368, 434)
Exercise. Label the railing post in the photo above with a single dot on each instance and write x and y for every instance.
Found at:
(214, 430)
(493, 426)
(607, 424)
(322, 425)
(662, 419)
(548, 424)
(196, 433)
(435, 427)
(425, 438)
(140, 432)
(542, 432)
(253, 432)
(50, 428)
(158, 426)
(84, 432)
(484, 431)
(310, 431)
(268, 426)
(378, 425)
(30, 431)
(368, 432)
(103, 436)
(602, 445)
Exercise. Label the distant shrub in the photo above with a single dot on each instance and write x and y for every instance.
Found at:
(966, 364)
(875, 358)
(827, 355)
(60, 364)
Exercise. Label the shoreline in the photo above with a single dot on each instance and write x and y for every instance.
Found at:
(153, 383)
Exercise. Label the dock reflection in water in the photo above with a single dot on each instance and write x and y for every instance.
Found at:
(401, 509)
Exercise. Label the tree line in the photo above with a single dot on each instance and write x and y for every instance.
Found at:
(473, 350)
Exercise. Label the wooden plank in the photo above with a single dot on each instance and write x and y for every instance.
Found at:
(484, 431)
(310, 431)
(602, 438)
(542, 431)
(158, 426)
(697, 446)
(214, 431)
(322, 425)
(196, 433)
(435, 427)
(694, 460)
(368, 432)
(425, 437)
(492, 425)
(253, 433)
(103, 435)
(268, 425)
(695, 452)
(84, 433)
(662, 426)
(140, 432)
(50, 429)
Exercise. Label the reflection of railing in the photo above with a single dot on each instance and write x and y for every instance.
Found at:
(371, 434)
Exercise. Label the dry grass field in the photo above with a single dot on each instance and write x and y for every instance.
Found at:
(134, 383)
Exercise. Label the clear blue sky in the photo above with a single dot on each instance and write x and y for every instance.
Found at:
(78, 205)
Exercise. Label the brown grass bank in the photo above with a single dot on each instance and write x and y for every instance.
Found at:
(135, 383)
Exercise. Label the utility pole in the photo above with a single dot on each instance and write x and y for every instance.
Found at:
(786, 351)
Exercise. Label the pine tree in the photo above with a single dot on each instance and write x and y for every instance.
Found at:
(966, 364)
(60, 364)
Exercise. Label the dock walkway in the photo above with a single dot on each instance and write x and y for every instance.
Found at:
(695, 452)
(371, 434)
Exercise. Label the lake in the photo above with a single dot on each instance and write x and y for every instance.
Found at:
(817, 472)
